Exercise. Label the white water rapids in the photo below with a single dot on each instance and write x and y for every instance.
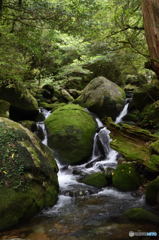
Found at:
(100, 160)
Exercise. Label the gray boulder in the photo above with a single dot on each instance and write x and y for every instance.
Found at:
(102, 97)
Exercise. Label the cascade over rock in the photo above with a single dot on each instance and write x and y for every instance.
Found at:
(28, 174)
(70, 133)
(102, 97)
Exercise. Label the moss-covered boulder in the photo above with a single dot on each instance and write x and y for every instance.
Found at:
(102, 97)
(152, 192)
(23, 104)
(28, 174)
(141, 215)
(97, 180)
(4, 108)
(70, 133)
(126, 178)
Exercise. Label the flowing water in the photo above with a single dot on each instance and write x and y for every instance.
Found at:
(84, 212)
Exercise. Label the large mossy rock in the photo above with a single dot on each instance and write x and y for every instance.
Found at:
(152, 192)
(28, 174)
(70, 133)
(23, 104)
(102, 97)
(97, 180)
(126, 178)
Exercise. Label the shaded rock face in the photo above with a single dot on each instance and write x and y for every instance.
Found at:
(70, 133)
(28, 174)
(23, 104)
(152, 192)
(102, 97)
(141, 215)
(4, 108)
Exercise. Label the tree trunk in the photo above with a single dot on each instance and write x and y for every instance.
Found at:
(20, 3)
(150, 9)
(1, 7)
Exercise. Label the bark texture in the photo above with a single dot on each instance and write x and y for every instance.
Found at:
(150, 10)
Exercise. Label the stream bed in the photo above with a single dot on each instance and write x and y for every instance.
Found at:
(84, 212)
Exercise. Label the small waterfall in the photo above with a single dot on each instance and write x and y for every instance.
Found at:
(102, 153)
(41, 126)
(101, 141)
(122, 114)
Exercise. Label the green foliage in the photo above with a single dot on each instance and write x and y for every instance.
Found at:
(67, 43)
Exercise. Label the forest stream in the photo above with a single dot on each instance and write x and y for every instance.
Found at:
(84, 212)
(79, 120)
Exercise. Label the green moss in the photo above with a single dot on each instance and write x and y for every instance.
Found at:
(130, 149)
(153, 163)
(95, 179)
(132, 142)
(141, 215)
(17, 205)
(28, 179)
(71, 130)
(126, 178)
(152, 192)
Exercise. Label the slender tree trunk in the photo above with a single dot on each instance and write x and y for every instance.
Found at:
(150, 9)
(20, 3)
(1, 7)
